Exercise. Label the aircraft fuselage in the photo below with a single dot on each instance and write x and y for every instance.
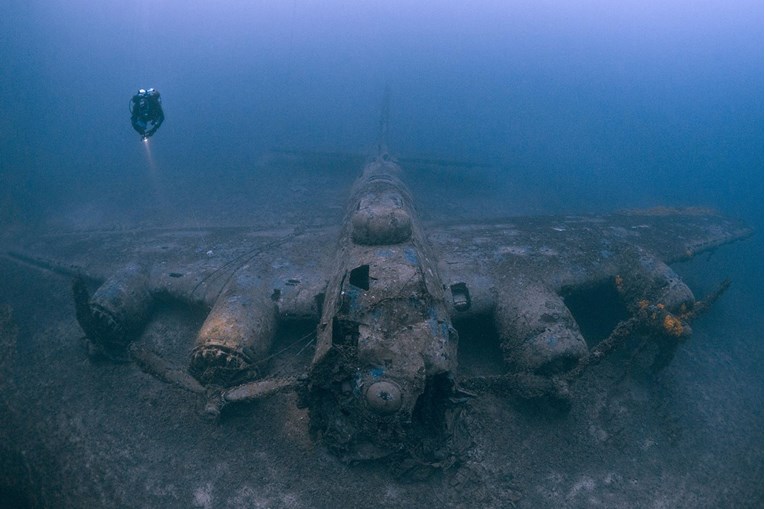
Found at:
(385, 338)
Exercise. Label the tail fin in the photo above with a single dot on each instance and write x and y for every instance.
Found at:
(382, 140)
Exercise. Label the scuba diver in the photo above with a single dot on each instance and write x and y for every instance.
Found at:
(146, 113)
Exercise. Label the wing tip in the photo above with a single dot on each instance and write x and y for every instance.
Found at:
(663, 211)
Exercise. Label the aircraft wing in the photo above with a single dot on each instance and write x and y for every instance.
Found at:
(191, 264)
(562, 252)
(195, 264)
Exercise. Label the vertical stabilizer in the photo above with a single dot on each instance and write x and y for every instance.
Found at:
(382, 140)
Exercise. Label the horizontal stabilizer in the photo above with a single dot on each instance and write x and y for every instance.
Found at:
(410, 163)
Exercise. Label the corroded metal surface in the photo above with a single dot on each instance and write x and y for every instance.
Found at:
(385, 344)
(385, 291)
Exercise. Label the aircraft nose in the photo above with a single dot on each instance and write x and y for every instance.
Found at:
(384, 397)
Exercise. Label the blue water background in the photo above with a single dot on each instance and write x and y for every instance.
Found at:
(635, 103)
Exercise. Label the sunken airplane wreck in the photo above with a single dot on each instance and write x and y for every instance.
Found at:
(385, 291)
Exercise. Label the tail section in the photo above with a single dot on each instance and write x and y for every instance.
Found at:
(382, 140)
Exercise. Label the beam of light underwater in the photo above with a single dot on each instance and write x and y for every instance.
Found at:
(153, 176)
(156, 185)
(149, 157)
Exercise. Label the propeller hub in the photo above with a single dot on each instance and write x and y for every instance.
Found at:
(384, 397)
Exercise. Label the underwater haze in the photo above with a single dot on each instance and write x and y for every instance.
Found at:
(601, 104)
(563, 107)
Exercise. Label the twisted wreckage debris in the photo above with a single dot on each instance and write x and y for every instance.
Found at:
(385, 292)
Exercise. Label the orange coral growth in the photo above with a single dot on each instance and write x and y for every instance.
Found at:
(643, 304)
(672, 325)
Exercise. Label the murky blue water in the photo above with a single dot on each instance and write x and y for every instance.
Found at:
(578, 106)
(635, 104)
